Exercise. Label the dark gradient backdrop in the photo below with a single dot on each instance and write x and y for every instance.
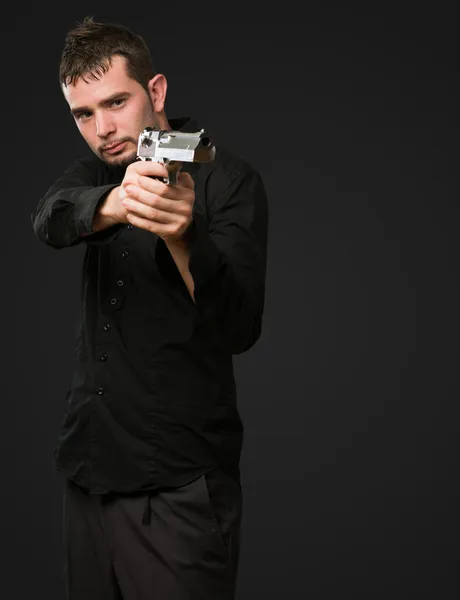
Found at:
(350, 397)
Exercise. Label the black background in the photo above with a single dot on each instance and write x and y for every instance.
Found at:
(349, 399)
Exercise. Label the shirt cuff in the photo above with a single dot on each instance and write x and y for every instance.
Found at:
(86, 211)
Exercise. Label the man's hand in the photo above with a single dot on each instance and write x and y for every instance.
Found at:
(150, 204)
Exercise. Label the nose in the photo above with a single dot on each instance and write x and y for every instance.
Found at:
(104, 125)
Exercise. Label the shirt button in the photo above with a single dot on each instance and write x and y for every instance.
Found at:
(130, 226)
(106, 326)
(103, 357)
(119, 282)
(124, 254)
(100, 391)
(113, 301)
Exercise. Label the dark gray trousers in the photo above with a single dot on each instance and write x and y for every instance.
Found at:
(179, 544)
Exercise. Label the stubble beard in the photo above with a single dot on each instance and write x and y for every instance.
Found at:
(124, 161)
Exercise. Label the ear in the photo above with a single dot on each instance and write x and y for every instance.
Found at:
(157, 89)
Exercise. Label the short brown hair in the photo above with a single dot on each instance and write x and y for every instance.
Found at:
(90, 46)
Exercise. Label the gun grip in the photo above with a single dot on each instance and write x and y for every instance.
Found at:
(173, 176)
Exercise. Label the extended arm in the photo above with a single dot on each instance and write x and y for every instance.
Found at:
(66, 213)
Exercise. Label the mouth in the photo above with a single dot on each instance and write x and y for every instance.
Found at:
(114, 149)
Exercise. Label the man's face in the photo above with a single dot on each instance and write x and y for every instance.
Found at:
(111, 112)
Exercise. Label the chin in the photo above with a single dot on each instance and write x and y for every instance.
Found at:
(121, 161)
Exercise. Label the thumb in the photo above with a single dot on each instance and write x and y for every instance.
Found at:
(186, 180)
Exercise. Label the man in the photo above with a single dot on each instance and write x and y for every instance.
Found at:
(173, 285)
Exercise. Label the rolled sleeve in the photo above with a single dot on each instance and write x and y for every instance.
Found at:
(64, 216)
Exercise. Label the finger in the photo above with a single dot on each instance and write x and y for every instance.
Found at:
(145, 211)
(149, 168)
(161, 229)
(154, 186)
(167, 190)
(137, 193)
(179, 206)
(186, 180)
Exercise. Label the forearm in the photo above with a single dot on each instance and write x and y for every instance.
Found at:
(65, 215)
(180, 253)
(106, 215)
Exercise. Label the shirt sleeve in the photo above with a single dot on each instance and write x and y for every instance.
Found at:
(228, 260)
(66, 211)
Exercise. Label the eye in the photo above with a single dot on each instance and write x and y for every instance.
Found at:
(118, 102)
(83, 116)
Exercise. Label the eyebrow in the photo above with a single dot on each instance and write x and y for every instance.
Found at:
(103, 103)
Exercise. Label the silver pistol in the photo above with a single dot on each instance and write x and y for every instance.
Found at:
(173, 148)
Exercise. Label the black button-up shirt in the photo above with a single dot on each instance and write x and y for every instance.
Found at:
(152, 401)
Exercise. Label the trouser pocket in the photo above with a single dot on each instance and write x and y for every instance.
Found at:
(224, 498)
